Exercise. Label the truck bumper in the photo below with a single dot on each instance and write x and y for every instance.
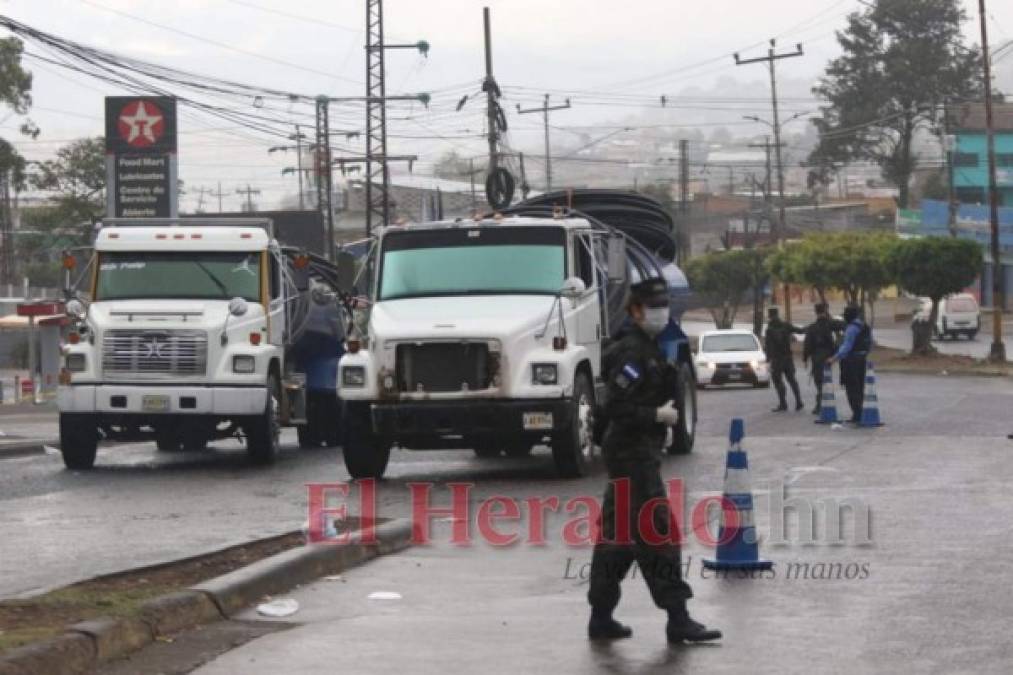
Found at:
(435, 419)
(177, 400)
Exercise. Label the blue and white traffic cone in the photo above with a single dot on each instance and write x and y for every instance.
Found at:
(870, 406)
(737, 548)
(828, 399)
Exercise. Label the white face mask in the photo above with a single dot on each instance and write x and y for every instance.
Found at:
(655, 320)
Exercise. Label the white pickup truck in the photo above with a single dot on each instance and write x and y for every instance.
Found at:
(195, 330)
(489, 334)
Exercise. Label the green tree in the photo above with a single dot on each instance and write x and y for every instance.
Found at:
(902, 59)
(15, 93)
(722, 279)
(76, 180)
(934, 267)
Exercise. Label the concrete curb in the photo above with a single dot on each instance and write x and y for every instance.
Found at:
(26, 449)
(901, 370)
(84, 645)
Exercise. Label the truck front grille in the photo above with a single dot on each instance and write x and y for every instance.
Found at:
(442, 367)
(154, 353)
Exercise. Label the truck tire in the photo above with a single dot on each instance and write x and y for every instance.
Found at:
(684, 433)
(263, 432)
(366, 454)
(168, 441)
(78, 441)
(572, 449)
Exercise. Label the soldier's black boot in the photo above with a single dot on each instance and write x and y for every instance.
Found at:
(781, 408)
(681, 628)
(603, 627)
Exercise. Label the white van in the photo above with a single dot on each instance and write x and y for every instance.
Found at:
(958, 315)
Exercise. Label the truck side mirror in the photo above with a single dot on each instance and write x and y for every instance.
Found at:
(617, 258)
(345, 262)
(573, 288)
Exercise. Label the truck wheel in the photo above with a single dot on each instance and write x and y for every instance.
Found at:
(684, 433)
(366, 454)
(167, 440)
(263, 433)
(78, 441)
(572, 449)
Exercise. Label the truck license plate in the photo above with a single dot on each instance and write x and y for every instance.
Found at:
(735, 376)
(155, 404)
(537, 421)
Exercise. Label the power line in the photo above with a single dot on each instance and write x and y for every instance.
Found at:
(216, 43)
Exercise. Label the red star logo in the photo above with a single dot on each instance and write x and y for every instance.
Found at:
(141, 123)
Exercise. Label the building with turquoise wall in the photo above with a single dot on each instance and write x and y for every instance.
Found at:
(970, 156)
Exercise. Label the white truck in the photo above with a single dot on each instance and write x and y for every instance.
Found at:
(199, 329)
(489, 334)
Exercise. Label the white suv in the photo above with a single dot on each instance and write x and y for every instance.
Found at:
(958, 315)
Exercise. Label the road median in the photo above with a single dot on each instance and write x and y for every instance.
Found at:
(134, 621)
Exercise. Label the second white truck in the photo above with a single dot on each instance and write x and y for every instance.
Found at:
(489, 334)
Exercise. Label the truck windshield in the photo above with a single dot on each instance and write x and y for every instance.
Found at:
(206, 276)
(472, 261)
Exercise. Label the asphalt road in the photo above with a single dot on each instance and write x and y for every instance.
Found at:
(928, 594)
(141, 507)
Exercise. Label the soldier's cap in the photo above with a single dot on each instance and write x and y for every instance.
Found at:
(650, 293)
(821, 308)
(773, 311)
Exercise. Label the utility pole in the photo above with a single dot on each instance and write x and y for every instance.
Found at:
(998, 352)
(525, 188)
(6, 230)
(771, 58)
(545, 110)
(325, 188)
(298, 137)
(200, 198)
(768, 181)
(249, 192)
(219, 194)
(950, 146)
(684, 176)
(377, 168)
(491, 94)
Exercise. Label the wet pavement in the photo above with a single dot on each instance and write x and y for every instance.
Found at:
(935, 480)
(928, 594)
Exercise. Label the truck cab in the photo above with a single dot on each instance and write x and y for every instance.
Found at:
(186, 334)
(485, 334)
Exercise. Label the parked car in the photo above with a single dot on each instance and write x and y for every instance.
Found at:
(958, 315)
(731, 357)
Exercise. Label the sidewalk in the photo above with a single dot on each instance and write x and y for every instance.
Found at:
(26, 428)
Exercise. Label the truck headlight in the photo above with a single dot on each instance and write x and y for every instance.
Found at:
(244, 363)
(353, 376)
(76, 363)
(544, 374)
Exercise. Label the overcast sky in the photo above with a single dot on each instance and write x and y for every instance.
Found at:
(615, 57)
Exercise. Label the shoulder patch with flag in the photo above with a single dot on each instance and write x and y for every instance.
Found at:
(628, 374)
